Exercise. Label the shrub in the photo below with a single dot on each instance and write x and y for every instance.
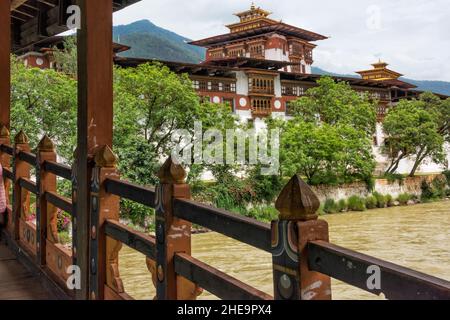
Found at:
(447, 176)
(330, 206)
(265, 188)
(427, 191)
(342, 205)
(263, 213)
(439, 185)
(65, 238)
(381, 200)
(63, 221)
(371, 202)
(356, 203)
(138, 214)
(404, 198)
(389, 200)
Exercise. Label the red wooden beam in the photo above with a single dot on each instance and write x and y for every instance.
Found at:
(5, 67)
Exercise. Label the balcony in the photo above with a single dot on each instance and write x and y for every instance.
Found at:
(261, 107)
(261, 86)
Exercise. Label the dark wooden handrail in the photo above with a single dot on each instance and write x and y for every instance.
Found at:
(28, 157)
(131, 191)
(136, 240)
(58, 169)
(397, 282)
(8, 174)
(29, 185)
(7, 149)
(215, 281)
(243, 229)
(60, 202)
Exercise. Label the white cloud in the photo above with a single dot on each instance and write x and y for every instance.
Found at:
(412, 35)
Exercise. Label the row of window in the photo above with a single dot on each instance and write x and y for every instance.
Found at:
(376, 95)
(215, 86)
(236, 53)
(263, 106)
(257, 50)
(292, 90)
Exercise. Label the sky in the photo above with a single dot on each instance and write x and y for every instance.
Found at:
(411, 35)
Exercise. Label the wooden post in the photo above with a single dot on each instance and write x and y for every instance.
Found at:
(298, 223)
(5, 161)
(173, 235)
(95, 117)
(21, 198)
(5, 86)
(46, 219)
(104, 253)
(5, 63)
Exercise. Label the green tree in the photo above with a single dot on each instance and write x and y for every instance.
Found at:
(418, 129)
(325, 154)
(44, 102)
(66, 58)
(337, 103)
(151, 103)
(329, 138)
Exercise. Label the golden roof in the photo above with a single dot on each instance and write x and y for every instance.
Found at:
(380, 72)
(254, 11)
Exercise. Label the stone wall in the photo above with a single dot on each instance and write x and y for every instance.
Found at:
(383, 186)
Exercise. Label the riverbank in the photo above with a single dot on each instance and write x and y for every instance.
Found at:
(416, 237)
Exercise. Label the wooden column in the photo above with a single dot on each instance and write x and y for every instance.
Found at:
(21, 198)
(47, 219)
(104, 253)
(298, 223)
(173, 235)
(95, 117)
(5, 64)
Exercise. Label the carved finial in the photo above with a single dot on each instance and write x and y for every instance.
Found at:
(171, 172)
(297, 201)
(253, 7)
(46, 145)
(105, 157)
(4, 132)
(21, 138)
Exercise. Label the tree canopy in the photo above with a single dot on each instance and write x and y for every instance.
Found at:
(417, 129)
(329, 138)
(44, 102)
(336, 103)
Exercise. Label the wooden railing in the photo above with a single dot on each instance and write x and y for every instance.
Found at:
(38, 239)
(303, 258)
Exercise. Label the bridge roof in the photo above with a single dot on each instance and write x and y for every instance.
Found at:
(34, 20)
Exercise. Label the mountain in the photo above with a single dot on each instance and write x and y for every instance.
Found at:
(441, 87)
(150, 41)
(147, 40)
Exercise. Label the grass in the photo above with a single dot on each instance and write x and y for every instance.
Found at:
(371, 202)
(404, 198)
(356, 203)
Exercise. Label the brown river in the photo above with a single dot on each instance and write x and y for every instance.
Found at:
(417, 237)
